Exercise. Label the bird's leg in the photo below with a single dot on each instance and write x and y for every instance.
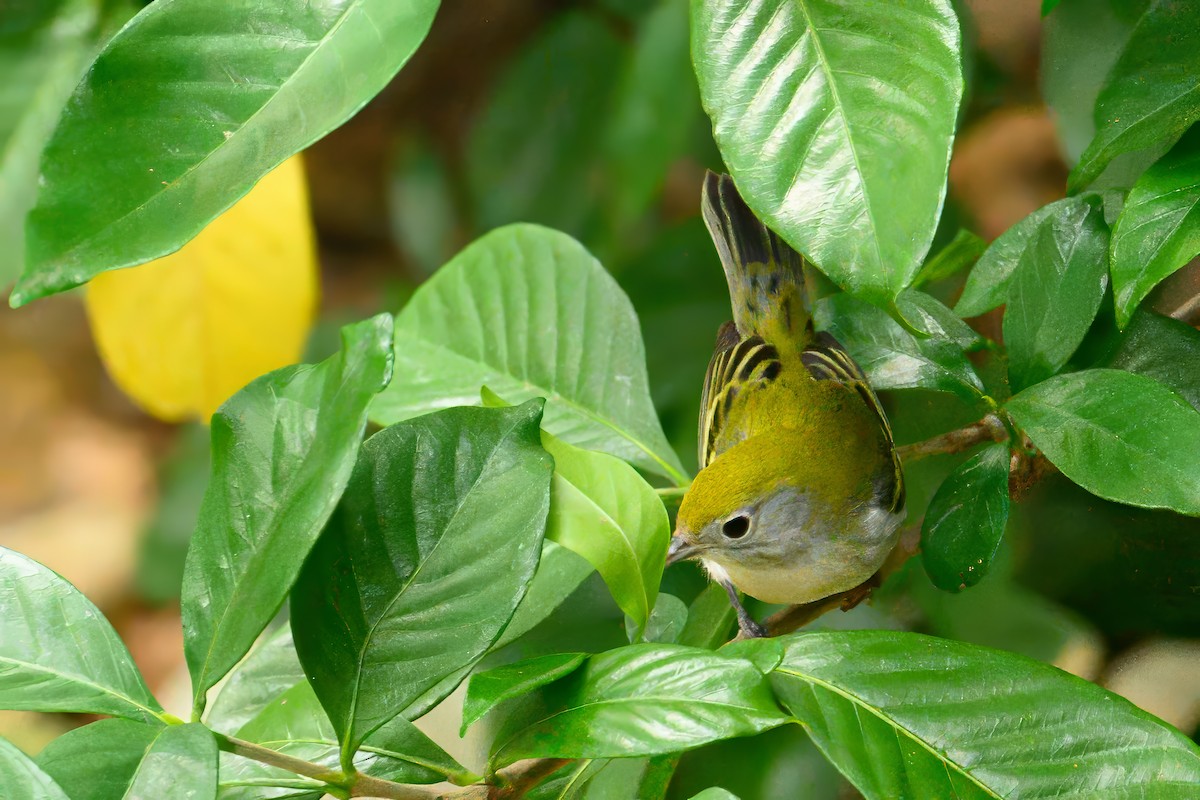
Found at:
(746, 624)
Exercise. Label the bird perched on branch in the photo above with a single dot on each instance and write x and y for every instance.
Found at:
(800, 493)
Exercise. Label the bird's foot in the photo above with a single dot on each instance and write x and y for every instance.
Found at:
(746, 623)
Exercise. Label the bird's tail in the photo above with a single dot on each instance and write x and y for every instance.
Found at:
(766, 276)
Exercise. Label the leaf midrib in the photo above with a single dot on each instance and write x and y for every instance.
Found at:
(30, 666)
(858, 702)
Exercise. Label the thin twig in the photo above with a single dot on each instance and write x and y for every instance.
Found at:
(989, 429)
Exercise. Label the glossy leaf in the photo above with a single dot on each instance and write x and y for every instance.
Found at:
(1150, 95)
(601, 509)
(40, 68)
(715, 793)
(173, 333)
(97, 761)
(1164, 349)
(1159, 229)
(21, 777)
(283, 449)
(965, 520)
(488, 689)
(666, 623)
(187, 108)
(528, 312)
(296, 725)
(835, 119)
(988, 282)
(1056, 291)
(905, 715)
(564, 79)
(269, 670)
(893, 358)
(1121, 436)
(181, 763)
(403, 588)
(646, 700)
(58, 652)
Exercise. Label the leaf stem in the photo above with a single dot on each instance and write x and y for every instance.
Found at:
(989, 429)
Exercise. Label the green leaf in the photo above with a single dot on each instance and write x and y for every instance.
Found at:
(893, 358)
(488, 689)
(528, 312)
(1159, 230)
(563, 79)
(965, 520)
(603, 510)
(715, 793)
(905, 715)
(97, 761)
(40, 69)
(961, 253)
(647, 699)
(405, 585)
(926, 313)
(988, 282)
(1150, 95)
(1056, 291)
(296, 725)
(22, 778)
(666, 622)
(229, 92)
(1164, 349)
(58, 652)
(1121, 436)
(181, 763)
(269, 670)
(283, 449)
(1049, 5)
(835, 119)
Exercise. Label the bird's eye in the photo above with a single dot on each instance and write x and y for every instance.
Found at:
(736, 527)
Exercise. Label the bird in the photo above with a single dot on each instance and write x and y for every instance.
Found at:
(800, 493)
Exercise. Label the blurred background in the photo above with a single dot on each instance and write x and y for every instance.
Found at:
(584, 116)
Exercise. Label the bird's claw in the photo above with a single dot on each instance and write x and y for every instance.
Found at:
(751, 629)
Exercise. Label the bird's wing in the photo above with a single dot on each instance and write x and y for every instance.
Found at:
(739, 364)
(826, 359)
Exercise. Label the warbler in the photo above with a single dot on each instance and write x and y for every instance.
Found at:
(800, 493)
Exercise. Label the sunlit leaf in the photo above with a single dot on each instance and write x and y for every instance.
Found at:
(835, 119)
(1121, 436)
(187, 108)
(58, 652)
(97, 761)
(21, 777)
(184, 333)
(283, 449)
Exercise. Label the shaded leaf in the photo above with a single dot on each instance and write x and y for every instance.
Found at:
(283, 449)
(181, 763)
(893, 358)
(488, 689)
(1121, 436)
(601, 509)
(1164, 349)
(182, 479)
(529, 313)
(1159, 229)
(403, 589)
(1056, 291)
(666, 622)
(1150, 95)
(905, 715)
(21, 777)
(186, 108)
(58, 652)
(173, 333)
(988, 282)
(965, 520)
(269, 670)
(835, 119)
(646, 700)
(960, 253)
(97, 761)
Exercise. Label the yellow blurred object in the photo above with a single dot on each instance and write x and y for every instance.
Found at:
(181, 334)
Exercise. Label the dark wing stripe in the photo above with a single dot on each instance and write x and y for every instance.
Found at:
(748, 363)
(828, 360)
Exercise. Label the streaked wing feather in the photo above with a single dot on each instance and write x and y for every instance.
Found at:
(738, 365)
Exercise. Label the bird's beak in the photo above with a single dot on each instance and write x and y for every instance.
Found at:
(680, 550)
